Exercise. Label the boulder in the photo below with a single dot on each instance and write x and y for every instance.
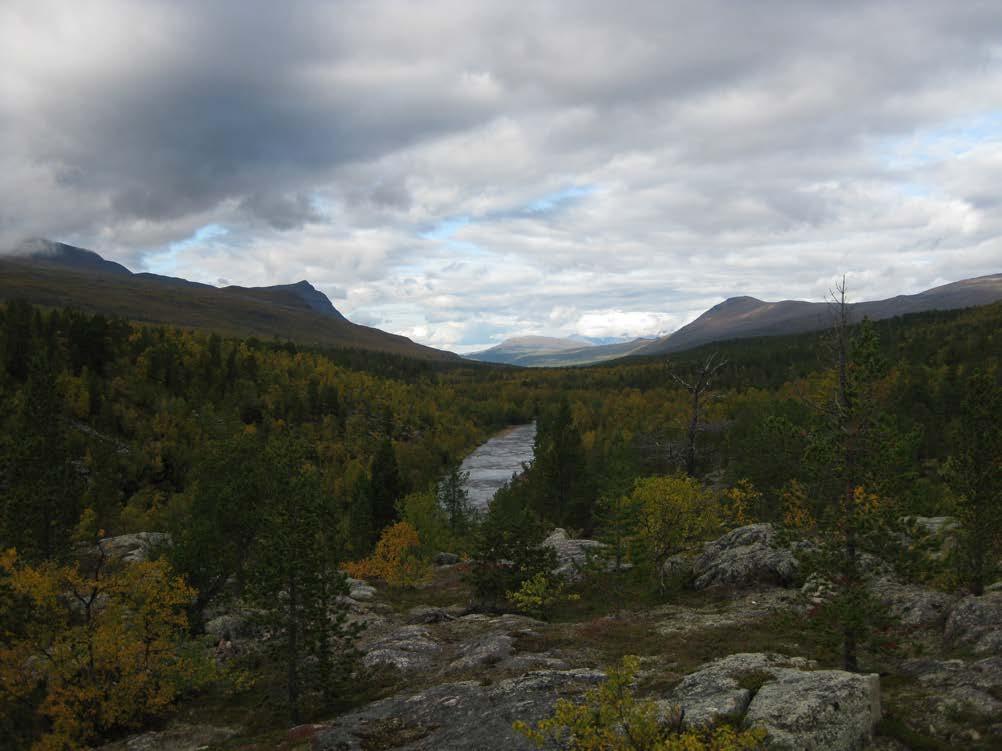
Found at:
(135, 547)
(821, 710)
(360, 591)
(977, 622)
(744, 557)
(798, 707)
(457, 716)
(719, 689)
(407, 648)
(572, 555)
(445, 559)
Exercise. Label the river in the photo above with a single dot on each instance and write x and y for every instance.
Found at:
(493, 463)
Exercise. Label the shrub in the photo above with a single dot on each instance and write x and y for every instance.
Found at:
(94, 651)
(675, 512)
(612, 718)
(396, 560)
(539, 595)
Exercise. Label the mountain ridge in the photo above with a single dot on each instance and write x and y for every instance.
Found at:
(59, 275)
(744, 316)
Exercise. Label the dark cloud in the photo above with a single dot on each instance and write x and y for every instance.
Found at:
(725, 147)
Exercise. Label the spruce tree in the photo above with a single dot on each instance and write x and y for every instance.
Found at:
(975, 473)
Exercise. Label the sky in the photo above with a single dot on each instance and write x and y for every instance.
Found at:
(460, 172)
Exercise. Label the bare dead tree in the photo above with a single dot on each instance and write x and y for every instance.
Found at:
(699, 385)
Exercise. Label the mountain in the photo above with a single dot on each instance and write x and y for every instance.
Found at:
(743, 317)
(58, 275)
(545, 351)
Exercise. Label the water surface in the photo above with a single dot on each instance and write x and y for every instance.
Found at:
(493, 463)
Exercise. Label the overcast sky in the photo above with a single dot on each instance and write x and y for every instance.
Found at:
(463, 171)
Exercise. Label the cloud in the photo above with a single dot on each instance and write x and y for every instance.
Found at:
(461, 172)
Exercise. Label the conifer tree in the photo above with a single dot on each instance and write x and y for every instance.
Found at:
(386, 485)
(975, 472)
(294, 579)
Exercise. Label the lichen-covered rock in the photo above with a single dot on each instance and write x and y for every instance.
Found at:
(959, 685)
(798, 707)
(912, 605)
(717, 689)
(820, 710)
(487, 650)
(179, 736)
(135, 547)
(445, 559)
(457, 716)
(407, 648)
(977, 622)
(572, 555)
(744, 557)
(360, 590)
(429, 614)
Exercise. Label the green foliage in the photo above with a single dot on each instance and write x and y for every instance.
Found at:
(455, 501)
(507, 549)
(674, 513)
(559, 473)
(426, 514)
(612, 718)
(539, 595)
(293, 579)
(975, 474)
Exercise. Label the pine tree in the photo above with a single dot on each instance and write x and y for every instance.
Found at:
(455, 500)
(295, 581)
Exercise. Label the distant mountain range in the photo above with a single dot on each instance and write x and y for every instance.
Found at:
(741, 318)
(545, 351)
(58, 275)
(744, 317)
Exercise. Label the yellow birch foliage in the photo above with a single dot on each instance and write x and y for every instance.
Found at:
(396, 560)
(103, 646)
(675, 512)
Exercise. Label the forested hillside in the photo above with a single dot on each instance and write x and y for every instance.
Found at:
(271, 466)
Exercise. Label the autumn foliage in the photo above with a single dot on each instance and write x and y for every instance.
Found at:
(94, 651)
(396, 560)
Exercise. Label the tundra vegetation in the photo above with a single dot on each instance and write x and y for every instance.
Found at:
(278, 471)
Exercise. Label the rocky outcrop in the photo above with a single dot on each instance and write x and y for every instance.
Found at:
(408, 648)
(745, 557)
(912, 605)
(430, 614)
(457, 716)
(977, 622)
(488, 650)
(572, 555)
(798, 707)
(179, 736)
(133, 548)
(959, 685)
